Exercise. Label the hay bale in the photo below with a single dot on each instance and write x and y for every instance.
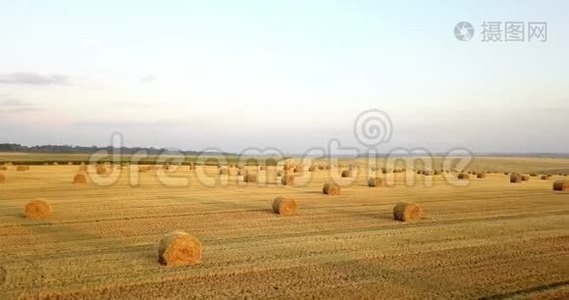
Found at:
(515, 178)
(223, 171)
(525, 178)
(375, 182)
(80, 179)
(3, 168)
(312, 169)
(22, 168)
(178, 248)
(298, 169)
(544, 177)
(463, 176)
(101, 170)
(37, 209)
(331, 189)
(83, 168)
(2, 178)
(427, 173)
(346, 173)
(284, 206)
(481, 175)
(250, 178)
(407, 212)
(561, 185)
(288, 180)
(280, 173)
(533, 174)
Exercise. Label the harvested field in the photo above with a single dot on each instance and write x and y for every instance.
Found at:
(487, 239)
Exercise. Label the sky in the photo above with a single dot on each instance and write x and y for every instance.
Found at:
(285, 74)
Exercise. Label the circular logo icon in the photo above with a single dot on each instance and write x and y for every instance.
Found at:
(373, 127)
(463, 31)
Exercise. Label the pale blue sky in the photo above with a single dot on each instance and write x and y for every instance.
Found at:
(287, 74)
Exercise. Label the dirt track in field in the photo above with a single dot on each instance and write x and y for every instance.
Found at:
(490, 239)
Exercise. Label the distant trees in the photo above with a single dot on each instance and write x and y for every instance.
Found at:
(81, 149)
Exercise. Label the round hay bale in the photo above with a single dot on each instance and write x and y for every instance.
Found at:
(288, 180)
(83, 168)
(22, 168)
(80, 179)
(525, 178)
(250, 178)
(284, 206)
(463, 176)
(101, 170)
(239, 173)
(427, 173)
(312, 169)
(3, 168)
(544, 177)
(515, 178)
(561, 185)
(37, 209)
(223, 171)
(280, 173)
(346, 173)
(533, 174)
(481, 175)
(375, 182)
(331, 189)
(407, 212)
(2, 178)
(298, 169)
(178, 248)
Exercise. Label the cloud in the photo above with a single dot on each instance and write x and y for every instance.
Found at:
(11, 105)
(149, 78)
(33, 79)
(557, 109)
(118, 124)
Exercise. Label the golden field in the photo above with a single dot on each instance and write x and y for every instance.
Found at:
(490, 239)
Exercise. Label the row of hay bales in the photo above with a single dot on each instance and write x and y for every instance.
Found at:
(179, 248)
